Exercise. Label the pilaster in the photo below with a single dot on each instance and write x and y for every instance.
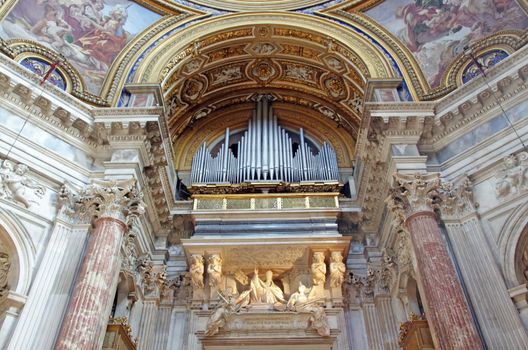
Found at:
(497, 315)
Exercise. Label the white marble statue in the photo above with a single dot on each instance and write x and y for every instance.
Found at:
(298, 299)
(197, 270)
(221, 314)
(301, 302)
(337, 270)
(261, 291)
(214, 270)
(318, 269)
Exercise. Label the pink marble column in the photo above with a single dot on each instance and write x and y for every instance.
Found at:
(84, 324)
(446, 308)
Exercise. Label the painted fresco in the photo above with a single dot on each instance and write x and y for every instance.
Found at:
(89, 33)
(436, 31)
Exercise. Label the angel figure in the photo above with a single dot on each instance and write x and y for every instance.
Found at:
(221, 315)
(15, 183)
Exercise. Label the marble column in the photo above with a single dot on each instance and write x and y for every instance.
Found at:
(499, 320)
(111, 202)
(412, 201)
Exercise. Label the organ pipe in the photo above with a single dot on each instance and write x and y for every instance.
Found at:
(264, 154)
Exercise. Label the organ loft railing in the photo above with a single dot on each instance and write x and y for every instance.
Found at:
(264, 153)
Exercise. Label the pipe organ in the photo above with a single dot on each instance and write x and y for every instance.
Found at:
(264, 153)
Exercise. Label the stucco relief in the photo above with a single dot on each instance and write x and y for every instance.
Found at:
(513, 178)
(16, 186)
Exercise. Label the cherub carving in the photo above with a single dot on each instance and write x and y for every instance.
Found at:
(14, 184)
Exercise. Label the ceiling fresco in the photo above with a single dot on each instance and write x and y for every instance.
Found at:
(436, 31)
(109, 43)
(89, 34)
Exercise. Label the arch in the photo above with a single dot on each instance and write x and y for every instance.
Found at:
(163, 58)
(510, 238)
(19, 239)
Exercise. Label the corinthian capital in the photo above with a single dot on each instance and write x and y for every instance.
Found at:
(413, 193)
(118, 199)
(456, 201)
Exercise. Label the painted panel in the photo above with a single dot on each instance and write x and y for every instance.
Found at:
(89, 33)
(436, 31)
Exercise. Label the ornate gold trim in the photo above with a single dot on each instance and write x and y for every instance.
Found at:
(64, 73)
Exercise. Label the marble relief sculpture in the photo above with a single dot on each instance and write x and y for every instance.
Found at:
(14, 184)
(318, 269)
(5, 265)
(197, 270)
(261, 292)
(337, 270)
(214, 270)
(221, 314)
(266, 292)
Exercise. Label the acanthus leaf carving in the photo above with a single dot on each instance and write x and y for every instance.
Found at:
(118, 199)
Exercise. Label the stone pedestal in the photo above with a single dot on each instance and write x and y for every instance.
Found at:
(85, 321)
(446, 308)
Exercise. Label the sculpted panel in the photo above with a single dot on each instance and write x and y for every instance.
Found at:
(16, 186)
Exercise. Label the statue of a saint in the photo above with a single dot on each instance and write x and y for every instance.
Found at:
(261, 292)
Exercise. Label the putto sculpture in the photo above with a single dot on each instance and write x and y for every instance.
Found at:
(16, 186)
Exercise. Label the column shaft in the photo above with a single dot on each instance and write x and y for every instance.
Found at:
(41, 318)
(498, 316)
(446, 308)
(87, 316)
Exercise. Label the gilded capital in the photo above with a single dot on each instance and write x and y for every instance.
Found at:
(118, 199)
